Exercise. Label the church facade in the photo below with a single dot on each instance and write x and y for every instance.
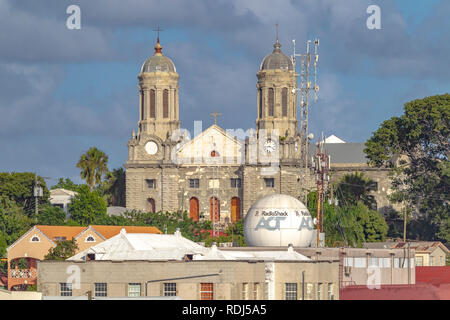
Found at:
(218, 174)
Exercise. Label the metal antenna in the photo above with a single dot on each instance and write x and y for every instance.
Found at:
(307, 72)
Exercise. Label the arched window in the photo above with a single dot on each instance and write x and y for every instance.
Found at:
(151, 205)
(165, 103)
(235, 209)
(214, 209)
(90, 239)
(284, 102)
(215, 153)
(35, 238)
(193, 209)
(260, 103)
(271, 102)
(152, 104)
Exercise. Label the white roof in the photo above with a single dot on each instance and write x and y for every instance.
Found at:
(334, 139)
(157, 247)
(62, 192)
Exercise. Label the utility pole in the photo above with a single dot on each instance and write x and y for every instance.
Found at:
(38, 192)
(404, 224)
(321, 168)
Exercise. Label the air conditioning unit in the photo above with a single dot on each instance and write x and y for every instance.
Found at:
(347, 270)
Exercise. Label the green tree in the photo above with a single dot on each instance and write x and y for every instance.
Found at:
(416, 146)
(18, 187)
(87, 206)
(66, 184)
(354, 188)
(13, 221)
(52, 216)
(93, 164)
(63, 250)
(116, 187)
(3, 245)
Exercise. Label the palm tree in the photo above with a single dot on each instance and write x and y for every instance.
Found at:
(93, 164)
(354, 188)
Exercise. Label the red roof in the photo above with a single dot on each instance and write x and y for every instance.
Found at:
(433, 275)
(220, 233)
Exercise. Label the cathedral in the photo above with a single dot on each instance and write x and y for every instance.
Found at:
(218, 174)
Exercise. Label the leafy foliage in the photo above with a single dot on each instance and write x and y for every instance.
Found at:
(18, 187)
(354, 188)
(3, 245)
(416, 146)
(63, 250)
(13, 221)
(52, 216)
(87, 206)
(66, 184)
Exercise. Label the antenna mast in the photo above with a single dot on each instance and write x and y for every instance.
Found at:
(308, 75)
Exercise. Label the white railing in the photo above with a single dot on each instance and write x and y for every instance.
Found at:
(22, 273)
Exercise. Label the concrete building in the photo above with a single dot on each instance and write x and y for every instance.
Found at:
(170, 265)
(33, 245)
(360, 266)
(62, 198)
(426, 253)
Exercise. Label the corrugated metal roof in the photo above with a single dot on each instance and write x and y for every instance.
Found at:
(351, 152)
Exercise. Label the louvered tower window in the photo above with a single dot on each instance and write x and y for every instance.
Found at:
(284, 102)
(271, 102)
(165, 103)
(152, 103)
(260, 103)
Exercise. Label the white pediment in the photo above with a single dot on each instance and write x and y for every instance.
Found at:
(213, 146)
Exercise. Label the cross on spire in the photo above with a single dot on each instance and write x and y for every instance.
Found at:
(276, 27)
(215, 114)
(158, 30)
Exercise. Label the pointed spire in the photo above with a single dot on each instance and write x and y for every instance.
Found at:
(277, 44)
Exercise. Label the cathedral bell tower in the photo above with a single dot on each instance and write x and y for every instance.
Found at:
(277, 101)
(158, 110)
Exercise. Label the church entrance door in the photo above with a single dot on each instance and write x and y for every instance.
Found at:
(193, 209)
(215, 209)
(151, 205)
(235, 209)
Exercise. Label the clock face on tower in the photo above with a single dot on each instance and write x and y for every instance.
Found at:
(151, 148)
(269, 146)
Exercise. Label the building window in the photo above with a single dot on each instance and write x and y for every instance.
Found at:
(35, 238)
(236, 183)
(271, 102)
(431, 261)
(151, 183)
(170, 289)
(245, 291)
(214, 154)
(373, 262)
(360, 262)
(90, 239)
(194, 183)
(309, 291)
(284, 102)
(165, 103)
(59, 238)
(330, 291)
(373, 186)
(255, 291)
(152, 104)
(291, 291)
(419, 261)
(319, 291)
(348, 262)
(65, 289)
(134, 289)
(385, 262)
(261, 103)
(151, 205)
(270, 182)
(206, 291)
(101, 289)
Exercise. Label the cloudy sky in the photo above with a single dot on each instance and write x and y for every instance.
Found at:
(63, 91)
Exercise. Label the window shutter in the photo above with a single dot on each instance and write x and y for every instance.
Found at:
(165, 103)
(284, 102)
(271, 102)
(152, 103)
